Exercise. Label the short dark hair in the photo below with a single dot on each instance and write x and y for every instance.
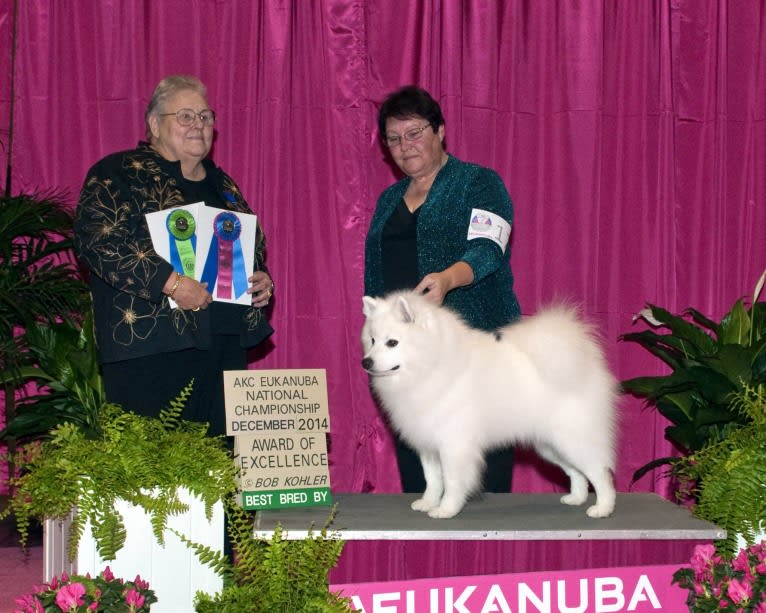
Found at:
(410, 101)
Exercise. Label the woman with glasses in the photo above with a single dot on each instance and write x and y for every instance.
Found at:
(442, 230)
(148, 350)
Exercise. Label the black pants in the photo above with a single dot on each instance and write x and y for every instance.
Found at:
(146, 385)
(497, 475)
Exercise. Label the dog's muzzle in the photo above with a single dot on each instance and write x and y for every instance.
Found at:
(368, 363)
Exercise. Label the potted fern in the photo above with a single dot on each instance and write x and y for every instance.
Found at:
(141, 460)
(273, 575)
(112, 494)
(726, 477)
(710, 363)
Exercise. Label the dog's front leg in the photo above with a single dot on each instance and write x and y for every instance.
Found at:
(462, 470)
(432, 470)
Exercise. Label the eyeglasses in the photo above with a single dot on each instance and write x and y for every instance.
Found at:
(410, 136)
(186, 117)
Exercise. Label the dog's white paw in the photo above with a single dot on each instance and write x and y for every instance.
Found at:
(599, 510)
(421, 504)
(442, 512)
(574, 499)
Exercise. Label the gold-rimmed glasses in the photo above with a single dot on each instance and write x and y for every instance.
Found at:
(394, 140)
(186, 117)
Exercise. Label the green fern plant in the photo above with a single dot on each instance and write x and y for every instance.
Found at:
(272, 575)
(726, 477)
(141, 460)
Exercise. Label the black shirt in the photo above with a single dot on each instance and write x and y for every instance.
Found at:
(399, 247)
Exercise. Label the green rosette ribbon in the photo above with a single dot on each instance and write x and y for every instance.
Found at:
(183, 241)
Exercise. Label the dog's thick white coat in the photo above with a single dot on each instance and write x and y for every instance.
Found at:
(454, 392)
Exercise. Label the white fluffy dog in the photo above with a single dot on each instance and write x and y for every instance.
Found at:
(454, 392)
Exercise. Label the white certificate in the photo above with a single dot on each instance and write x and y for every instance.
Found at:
(210, 245)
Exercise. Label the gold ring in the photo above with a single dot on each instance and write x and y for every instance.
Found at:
(195, 309)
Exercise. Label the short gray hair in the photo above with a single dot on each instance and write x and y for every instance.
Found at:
(167, 88)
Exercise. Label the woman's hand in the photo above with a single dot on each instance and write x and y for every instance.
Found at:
(261, 287)
(187, 293)
(436, 285)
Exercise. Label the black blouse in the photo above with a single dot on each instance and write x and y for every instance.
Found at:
(399, 247)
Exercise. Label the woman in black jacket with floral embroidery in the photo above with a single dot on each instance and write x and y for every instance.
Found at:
(148, 350)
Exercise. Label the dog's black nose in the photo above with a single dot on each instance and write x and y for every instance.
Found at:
(367, 363)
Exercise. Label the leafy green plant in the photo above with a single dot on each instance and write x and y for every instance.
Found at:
(143, 461)
(39, 278)
(40, 285)
(272, 575)
(66, 384)
(710, 362)
(726, 477)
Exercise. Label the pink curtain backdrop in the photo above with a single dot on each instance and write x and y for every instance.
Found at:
(631, 137)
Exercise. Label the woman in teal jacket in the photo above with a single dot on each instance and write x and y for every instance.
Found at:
(442, 230)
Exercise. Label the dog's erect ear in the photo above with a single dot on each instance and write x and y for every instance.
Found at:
(368, 305)
(405, 310)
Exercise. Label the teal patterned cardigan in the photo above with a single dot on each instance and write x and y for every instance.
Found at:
(489, 302)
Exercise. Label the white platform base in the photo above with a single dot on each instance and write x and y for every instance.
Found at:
(173, 571)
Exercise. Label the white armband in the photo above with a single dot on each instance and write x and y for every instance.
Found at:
(485, 224)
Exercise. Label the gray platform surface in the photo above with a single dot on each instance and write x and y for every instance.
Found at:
(491, 517)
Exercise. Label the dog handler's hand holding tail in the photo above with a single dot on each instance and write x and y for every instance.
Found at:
(436, 285)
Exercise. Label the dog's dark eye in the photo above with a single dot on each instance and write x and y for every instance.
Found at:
(392, 343)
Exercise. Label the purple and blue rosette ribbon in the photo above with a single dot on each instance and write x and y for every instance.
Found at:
(225, 262)
(181, 228)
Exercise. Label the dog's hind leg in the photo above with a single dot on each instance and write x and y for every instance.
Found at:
(432, 471)
(578, 484)
(599, 476)
(462, 471)
(603, 483)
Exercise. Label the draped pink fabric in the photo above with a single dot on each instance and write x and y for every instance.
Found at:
(631, 136)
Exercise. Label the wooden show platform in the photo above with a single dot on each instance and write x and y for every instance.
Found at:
(386, 540)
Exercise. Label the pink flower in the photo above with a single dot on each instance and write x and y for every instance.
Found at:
(30, 604)
(760, 608)
(702, 560)
(140, 583)
(742, 561)
(70, 596)
(107, 574)
(739, 591)
(134, 599)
